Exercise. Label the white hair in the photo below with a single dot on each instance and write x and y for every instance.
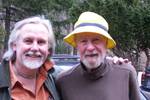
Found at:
(8, 55)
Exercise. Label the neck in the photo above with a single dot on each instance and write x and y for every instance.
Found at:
(25, 72)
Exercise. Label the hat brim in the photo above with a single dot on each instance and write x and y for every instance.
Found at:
(90, 29)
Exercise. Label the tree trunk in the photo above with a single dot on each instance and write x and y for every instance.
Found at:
(147, 52)
(7, 27)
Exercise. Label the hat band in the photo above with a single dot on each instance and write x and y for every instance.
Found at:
(92, 24)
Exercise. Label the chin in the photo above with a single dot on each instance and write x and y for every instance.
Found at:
(33, 64)
(93, 63)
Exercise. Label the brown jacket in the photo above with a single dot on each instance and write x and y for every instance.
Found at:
(108, 82)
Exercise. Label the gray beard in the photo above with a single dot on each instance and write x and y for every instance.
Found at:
(91, 66)
(94, 65)
(33, 64)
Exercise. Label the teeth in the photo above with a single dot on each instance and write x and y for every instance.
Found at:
(31, 54)
(91, 55)
(34, 55)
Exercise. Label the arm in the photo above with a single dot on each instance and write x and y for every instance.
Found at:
(134, 91)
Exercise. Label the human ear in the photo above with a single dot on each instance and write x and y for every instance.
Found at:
(50, 52)
(13, 45)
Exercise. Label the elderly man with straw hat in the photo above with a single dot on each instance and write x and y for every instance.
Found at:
(96, 78)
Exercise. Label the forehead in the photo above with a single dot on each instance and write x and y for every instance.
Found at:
(33, 29)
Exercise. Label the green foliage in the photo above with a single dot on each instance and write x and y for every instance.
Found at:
(31, 7)
(62, 47)
(52, 9)
(128, 20)
(129, 23)
(59, 5)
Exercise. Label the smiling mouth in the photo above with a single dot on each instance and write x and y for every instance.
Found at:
(33, 55)
(91, 55)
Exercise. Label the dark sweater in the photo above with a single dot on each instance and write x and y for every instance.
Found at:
(108, 82)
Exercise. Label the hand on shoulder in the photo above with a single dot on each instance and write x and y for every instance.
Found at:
(118, 60)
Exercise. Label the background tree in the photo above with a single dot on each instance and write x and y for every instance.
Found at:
(56, 10)
(128, 22)
(2, 35)
(14, 10)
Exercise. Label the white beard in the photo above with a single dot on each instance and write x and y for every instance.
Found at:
(34, 63)
(94, 63)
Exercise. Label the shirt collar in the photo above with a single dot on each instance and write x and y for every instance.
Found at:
(48, 65)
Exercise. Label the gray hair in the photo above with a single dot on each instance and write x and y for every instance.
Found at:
(8, 55)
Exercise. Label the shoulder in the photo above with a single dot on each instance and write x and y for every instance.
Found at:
(4, 67)
(66, 73)
(56, 71)
(124, 66)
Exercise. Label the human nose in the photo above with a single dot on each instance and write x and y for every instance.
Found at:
(34, 46)
(90, 46)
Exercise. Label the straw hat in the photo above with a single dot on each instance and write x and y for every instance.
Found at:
(90, 22)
